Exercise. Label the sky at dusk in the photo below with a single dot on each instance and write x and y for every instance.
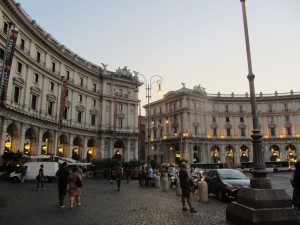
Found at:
(190, 41)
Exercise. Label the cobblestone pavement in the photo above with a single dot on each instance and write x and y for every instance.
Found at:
(22, 204)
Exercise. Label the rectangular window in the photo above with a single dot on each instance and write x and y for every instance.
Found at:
(214, 119)
(228, 132)
(226, 108)
(288, 131)
(33, 102)
(1, 54)
(94, 87)
(286, 108)
(215, 132)
(36, 78)
(227, 119)
(213, 108)
(270, 108)
(67, 92)
(120, 106)
(287, 119)
(93, 102)
(243, 133)
(22, 46)
(68, 75)
(79, 115)
(241, 108)
(79, 98)
(196, 130)
(272, 131)
(51, 86)
(160, 110)
(16, 94)
(50, 108)
(53, 66)
(19, 69)
(120, 122)
(5, 27)
(81, 81)
(38, 57)
(120, 92)
(242, 119)
(93, 120)
(66, 113)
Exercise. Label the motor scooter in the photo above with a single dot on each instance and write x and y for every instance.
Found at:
(173, 180)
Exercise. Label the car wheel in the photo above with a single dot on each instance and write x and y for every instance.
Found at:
(15, 179)
(220, 195)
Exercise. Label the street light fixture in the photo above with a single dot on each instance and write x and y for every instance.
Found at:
(153, 79)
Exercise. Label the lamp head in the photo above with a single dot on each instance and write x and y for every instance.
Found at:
(159, 91)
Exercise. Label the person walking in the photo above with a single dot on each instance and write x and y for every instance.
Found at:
(23, 173)
(119, 175)
(74, 187)
(150, 176)
(185, 187)
(40, 178)
(62, 180)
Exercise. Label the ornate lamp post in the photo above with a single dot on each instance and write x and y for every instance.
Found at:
(153, 79)
(259, 204)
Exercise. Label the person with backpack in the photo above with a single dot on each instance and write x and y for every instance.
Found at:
(75, 183)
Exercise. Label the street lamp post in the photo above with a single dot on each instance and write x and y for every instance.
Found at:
(153, 79)
(259, 204)
(259, 179)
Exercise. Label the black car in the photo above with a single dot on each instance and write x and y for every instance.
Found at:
(225, 183)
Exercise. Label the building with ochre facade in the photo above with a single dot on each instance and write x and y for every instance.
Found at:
(213, 128)
(100, 111)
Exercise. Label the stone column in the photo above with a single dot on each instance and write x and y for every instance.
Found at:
(136, 149)
(22, 139)
(3, 136)
(39, 142)
(128, 156)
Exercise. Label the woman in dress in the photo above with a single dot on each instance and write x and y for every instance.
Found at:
(74, 189)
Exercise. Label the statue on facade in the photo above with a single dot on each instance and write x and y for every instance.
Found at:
(104, 66)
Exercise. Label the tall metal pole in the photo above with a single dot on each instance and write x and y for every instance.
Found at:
(259, 179)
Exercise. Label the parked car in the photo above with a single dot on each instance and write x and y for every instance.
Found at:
(225, 183)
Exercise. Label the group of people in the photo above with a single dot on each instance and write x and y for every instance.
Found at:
(145, 176)
(68, 180)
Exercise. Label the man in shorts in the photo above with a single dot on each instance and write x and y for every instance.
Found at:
(62, 180)
(185, 187)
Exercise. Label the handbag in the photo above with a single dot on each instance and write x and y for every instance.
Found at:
(78, 182)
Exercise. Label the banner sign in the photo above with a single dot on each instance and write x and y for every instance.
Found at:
(63, 101)
(10, 49)
(115, 117)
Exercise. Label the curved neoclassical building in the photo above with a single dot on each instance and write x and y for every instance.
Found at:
(100, 110)
(199, 127)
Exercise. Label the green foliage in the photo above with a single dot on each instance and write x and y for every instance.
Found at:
(134, 163)
(105, 163)
(154, 164)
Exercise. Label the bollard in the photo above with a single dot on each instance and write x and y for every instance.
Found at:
(178, 188)
(157, 181)
(203, 192)
(165, 182)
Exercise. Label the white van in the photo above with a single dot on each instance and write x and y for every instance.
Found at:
(33, 168)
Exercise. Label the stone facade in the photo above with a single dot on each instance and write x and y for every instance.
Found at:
(213, 128)
(101, 108)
